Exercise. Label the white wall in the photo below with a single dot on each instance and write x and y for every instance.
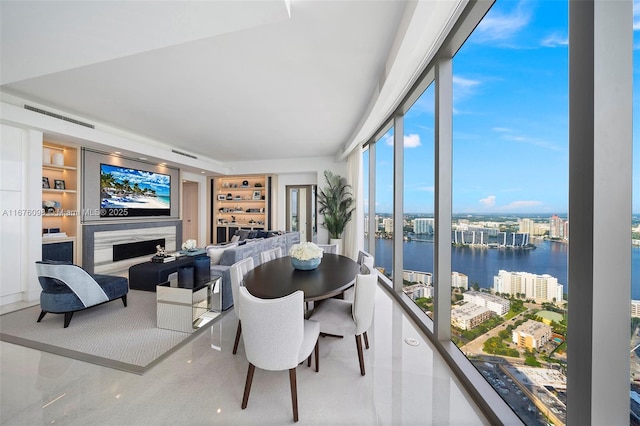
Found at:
(20, 206)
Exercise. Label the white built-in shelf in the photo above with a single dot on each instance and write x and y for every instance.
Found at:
(50, 166)
(70, 191)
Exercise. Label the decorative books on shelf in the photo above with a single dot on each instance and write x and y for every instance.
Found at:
(163, 259)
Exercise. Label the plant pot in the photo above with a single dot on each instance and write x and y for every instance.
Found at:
(338, 242)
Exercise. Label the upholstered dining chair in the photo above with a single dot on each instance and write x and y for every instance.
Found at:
(271, 254)
(329, 248)
(67, 288)
(366, 266)
(366, 261)
(237, 272)
(345, 318)
(277, 337)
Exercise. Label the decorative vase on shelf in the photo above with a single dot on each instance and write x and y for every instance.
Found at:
(305, 265)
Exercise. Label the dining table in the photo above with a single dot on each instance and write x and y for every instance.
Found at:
(278, 278)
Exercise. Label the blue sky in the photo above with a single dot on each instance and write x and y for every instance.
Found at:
(510, 124)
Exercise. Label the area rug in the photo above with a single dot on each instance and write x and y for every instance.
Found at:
(109, 335)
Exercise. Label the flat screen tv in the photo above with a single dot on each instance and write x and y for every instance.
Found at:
(127, 192)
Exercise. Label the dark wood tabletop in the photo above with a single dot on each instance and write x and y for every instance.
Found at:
(277, 278)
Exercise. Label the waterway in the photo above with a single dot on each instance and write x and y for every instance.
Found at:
(482, 264)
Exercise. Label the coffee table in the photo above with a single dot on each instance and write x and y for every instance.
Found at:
(188, 308)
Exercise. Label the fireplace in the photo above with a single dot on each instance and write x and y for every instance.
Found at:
(137, 249)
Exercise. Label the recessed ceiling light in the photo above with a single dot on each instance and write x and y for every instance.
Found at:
(142, 158)
(202, 171)
(118, 152)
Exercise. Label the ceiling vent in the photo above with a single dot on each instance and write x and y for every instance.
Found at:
(58, 116)
(184, 153)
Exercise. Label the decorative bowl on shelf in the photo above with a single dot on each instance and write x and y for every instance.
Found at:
(305, 265)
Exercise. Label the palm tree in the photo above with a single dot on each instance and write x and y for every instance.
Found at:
(336, 204)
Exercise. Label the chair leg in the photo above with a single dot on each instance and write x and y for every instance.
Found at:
(238, 332)
(360, 354)
(67, 318)
(42, 314)
(124, 300)
(294, 393)
(247, 385)
(317, 351)
(366, 340)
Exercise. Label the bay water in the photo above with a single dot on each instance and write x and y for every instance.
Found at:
(482, 264)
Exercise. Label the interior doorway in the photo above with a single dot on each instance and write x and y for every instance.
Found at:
(301, 211)
(190, 210)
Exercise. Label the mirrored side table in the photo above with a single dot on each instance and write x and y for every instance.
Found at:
(187, 308)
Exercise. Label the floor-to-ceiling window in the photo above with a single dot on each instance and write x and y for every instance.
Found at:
(365, 194)
(384, 220)
(418, 222)
(510, 205)
(515, 119)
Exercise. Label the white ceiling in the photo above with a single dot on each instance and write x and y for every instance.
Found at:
(231, 81)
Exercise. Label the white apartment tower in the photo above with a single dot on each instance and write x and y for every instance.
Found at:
(423, 225)
(538, 287)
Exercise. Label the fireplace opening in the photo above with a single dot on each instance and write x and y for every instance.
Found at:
(137, 249)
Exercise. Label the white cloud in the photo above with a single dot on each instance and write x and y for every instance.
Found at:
(464, 83)
(502, 129)
(555, 40)
(503, 26)
(636, 15)
(410, 141)
(516, 205)
(490, 201)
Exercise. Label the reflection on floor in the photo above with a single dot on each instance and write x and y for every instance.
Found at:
(202, 383)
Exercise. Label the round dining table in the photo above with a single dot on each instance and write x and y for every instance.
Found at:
(278, 278)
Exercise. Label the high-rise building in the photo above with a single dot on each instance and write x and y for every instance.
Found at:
(387, 224)
(557, 227)
(538, 287)
(423, 225)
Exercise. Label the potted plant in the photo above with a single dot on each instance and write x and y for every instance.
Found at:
(336, 204)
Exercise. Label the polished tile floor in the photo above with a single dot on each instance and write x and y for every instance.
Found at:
(202, 383)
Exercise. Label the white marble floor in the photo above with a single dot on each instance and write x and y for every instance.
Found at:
(200, 384)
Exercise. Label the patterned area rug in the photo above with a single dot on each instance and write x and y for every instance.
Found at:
(109, 335)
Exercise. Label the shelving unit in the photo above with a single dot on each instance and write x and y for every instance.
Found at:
(60, 173)
(240, 202)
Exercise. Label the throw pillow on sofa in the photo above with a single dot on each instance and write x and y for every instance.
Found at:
(215, 252)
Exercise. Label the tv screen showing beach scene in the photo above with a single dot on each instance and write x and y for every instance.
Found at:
(127, 192)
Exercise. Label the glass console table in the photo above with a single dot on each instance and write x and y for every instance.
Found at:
(187, 308)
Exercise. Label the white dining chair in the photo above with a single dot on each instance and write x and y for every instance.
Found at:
(277, 337)
(237, 271)
(271, 254)
(329, 248)
(339, 317)
(366, 261)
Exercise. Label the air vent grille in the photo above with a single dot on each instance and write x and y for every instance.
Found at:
(58, 116)
(184, 153)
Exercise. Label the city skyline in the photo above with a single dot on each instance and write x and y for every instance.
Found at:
(510, 122)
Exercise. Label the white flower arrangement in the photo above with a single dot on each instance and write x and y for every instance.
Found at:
(306, 251)
(189, 245)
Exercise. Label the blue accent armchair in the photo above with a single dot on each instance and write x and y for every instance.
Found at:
(67, 288)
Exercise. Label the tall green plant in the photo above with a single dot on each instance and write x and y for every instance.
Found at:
(336, 204)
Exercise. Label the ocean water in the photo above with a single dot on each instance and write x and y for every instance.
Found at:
(482, 264)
